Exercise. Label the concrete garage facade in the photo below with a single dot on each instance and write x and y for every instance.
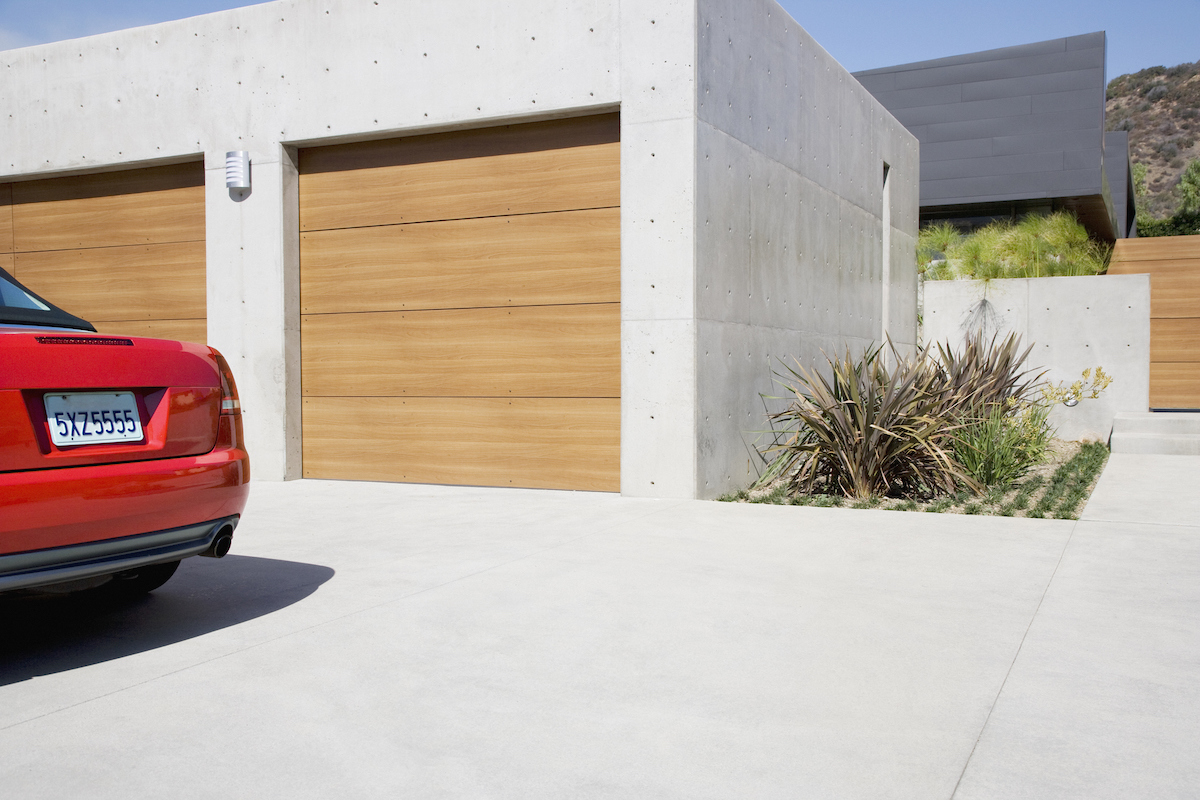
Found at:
(662, 200)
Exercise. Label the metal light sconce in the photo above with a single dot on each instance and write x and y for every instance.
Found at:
(237, 169)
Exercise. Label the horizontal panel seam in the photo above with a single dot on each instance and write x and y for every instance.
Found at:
(454, 308)
(151, 319)
(580, 397)
(456, 219)
(109, 246)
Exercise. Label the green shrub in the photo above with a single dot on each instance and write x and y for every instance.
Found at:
(1037, 246)
(1001, 447)
(1182, 224)
(1002, 428)
(1189, 188)
(933, 242)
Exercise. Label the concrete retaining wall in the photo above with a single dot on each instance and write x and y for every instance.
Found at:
(1073, 324)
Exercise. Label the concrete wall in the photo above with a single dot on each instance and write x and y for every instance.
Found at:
(789, 221)
(1072, 323)
(797, 267)
(658, 229)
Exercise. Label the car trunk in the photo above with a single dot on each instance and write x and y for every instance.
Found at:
(172, 388)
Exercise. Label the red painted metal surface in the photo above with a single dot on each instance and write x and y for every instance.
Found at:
(191, 465)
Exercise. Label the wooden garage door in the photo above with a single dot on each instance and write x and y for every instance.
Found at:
(124, 250)
(1174, 266)
(460, 307)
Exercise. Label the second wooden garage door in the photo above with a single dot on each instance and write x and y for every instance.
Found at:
(124, 250)
(460, 299)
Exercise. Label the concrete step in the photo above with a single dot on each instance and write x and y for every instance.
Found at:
(1163, 444)
(1168, 422)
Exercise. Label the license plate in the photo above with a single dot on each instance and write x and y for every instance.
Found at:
(92, 418)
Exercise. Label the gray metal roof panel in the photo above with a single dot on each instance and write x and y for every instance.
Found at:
(1011, 187)
(1074, 119)
(964, 148)
(1016, 123)
(994, 165)
(999, 70)
(1083, 159)
(917, 98)
(958, 112)
(1042, 141)
(1085, 40)
(1063, 101)
(1092, 78)
(1015, 51)
(881, 82)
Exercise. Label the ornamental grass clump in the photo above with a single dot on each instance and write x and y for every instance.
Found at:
(988, 373)
(1036, 246)
(923, 428)
(868, 430)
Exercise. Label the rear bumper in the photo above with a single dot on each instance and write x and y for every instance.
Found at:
(80, 561)
(53, 508)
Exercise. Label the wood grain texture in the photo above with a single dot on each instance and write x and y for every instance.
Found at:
(538, 351)
(1175, 384)
(1153, 248)
(1174, 287)
(143, 206)
(1175, 339)
(161, 281)
(472, 143)
(6, 231)
(1153, 266)
(1174, 284)
(1173, 263)
(184, 330)
(8, 264)
(519, 169)
(528, 442)
(538, 259)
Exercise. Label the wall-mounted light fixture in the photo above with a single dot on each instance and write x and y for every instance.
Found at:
(237, 169)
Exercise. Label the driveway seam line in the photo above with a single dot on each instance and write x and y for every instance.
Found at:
(1138, 522)
(334, 619)
(1008, 673)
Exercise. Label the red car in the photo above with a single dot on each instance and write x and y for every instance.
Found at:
(119, 456)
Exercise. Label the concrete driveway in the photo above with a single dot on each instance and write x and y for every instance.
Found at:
(374, 640)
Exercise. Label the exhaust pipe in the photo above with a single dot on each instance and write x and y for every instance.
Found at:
(221, 542)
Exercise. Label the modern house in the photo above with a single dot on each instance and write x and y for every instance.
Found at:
(1015, 130)
(540, 244)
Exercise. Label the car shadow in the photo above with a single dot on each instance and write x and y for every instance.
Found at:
(41, 634)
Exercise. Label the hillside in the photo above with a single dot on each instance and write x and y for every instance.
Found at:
(1160, 107)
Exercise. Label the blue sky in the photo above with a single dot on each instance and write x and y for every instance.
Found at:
(861, 34)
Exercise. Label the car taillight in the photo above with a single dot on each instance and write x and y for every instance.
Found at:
(229, 396)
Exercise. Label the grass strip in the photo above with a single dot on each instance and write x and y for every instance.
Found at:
(778, 496)
(1063, 493)
(1088, 463)
(1020, 501)
(1066, 480)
